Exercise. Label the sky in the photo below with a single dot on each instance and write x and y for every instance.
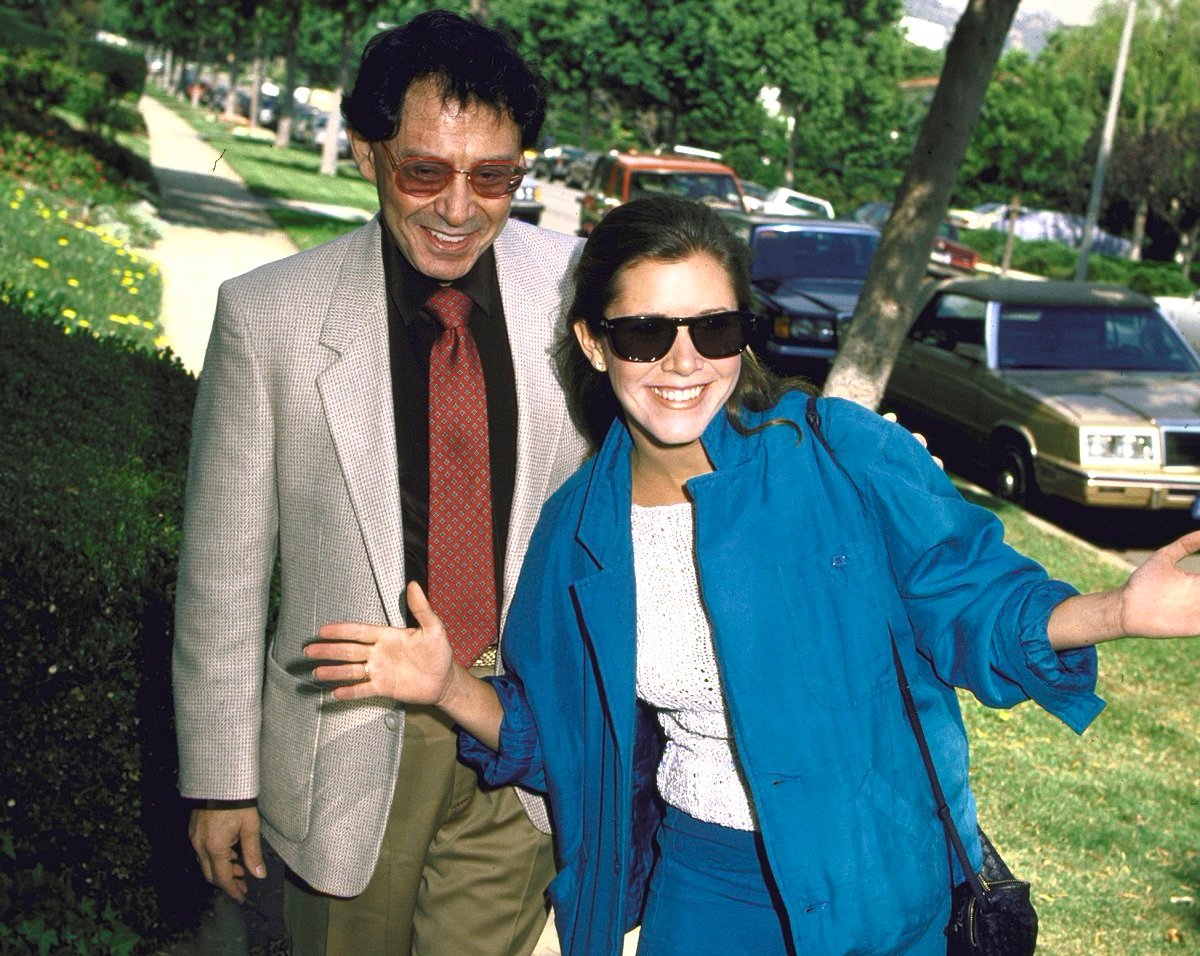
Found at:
(1071, 12)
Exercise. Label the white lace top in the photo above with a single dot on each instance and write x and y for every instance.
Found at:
(677, 673)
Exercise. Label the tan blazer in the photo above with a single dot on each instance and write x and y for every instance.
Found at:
(294, 445)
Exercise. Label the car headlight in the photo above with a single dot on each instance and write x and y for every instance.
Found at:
(1108, 445)
(805, 327)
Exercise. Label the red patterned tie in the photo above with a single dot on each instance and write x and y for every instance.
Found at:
(462, 579)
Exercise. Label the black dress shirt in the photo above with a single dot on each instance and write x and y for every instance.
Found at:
(411, 334)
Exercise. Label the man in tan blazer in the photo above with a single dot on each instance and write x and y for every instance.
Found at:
(310, 452)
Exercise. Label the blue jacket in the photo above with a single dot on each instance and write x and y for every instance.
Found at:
(804, 573)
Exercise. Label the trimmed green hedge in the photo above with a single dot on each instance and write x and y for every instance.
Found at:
(92, 465)
(123, 69)
(1054, 260)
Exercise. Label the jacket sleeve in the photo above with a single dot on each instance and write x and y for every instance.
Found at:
(229, 538)
(519, 759)
(978, 608)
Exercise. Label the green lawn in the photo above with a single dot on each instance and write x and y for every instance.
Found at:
(1106, 826)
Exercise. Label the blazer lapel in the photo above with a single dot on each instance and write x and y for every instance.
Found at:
(607, 599)
(356, 393)
(548, 447)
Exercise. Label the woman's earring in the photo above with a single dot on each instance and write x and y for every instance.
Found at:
(600, 366)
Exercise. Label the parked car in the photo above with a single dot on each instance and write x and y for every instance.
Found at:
(753, 195)
(308, 128)
(986, 215)
(949, 256)
(789, 202)
(1079, 390)
(553, 162)
(1067, 228)
(527, 202)
(619, 177)
(580, 170)
(806, 276)
(1184, 313)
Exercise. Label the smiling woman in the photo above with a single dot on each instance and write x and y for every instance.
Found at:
(729, 538)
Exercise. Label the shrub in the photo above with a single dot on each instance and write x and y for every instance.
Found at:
(1057, 261)
(93, 459)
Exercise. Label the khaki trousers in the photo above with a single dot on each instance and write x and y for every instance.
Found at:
(462, 871)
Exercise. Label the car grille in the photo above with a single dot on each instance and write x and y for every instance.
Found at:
(1181, 446)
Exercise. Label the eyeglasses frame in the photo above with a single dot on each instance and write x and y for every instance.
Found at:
(513, 185)
(748, 321)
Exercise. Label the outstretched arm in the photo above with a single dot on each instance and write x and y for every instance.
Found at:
(1160, 599)
(412, 665)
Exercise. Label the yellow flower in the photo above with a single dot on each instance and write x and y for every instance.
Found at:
(40, 262)
(161, 342)
(133, 290)
(119, 319)
(126, 280)
(62, 241)
(14, 205)
(73, 282)
(44, 213)
(69, 313)
(84, 324)
(147, 324)
(139, 276)
(62, 214)
(29, 293)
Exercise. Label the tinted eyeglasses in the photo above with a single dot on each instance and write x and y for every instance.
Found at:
(647, 338)
(428, 176)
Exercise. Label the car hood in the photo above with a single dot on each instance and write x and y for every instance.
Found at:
(836, 296)
(1117, 397)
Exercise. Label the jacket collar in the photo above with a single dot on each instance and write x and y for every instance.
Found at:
(604, 521)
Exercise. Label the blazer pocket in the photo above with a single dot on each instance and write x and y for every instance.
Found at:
(288, 751)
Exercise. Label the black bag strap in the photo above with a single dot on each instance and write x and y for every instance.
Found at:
(813, 417)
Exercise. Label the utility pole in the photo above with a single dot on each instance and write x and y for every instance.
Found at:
(1110, 123)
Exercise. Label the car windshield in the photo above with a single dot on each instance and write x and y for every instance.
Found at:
(1079, 337)
(783, 253)
(712, 188)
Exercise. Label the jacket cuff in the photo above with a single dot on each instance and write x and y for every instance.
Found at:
(519, 759)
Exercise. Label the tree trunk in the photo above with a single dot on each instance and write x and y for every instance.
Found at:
(333, 125)
(1010, 232)
(868, 352)
(287, 95)
(1139, 228)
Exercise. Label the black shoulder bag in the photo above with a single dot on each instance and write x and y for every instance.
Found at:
(991, 913)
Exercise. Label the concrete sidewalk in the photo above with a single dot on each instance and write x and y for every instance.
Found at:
(214, 229)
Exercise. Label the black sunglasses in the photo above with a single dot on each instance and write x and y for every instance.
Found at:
(647, 338)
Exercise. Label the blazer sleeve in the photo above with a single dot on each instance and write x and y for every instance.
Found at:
(227, 554)
(979, 609)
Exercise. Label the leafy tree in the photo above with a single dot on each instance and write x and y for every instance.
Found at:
(1151, 166)
(836, 67)
(1031, 135)
(865, 358)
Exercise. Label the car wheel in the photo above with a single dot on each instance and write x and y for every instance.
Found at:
(1012, 474)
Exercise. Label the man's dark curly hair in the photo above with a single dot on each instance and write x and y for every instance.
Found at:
(473, 63)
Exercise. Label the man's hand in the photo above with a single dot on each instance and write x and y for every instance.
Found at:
(216, 836)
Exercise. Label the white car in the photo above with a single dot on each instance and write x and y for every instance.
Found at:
(782, 201)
